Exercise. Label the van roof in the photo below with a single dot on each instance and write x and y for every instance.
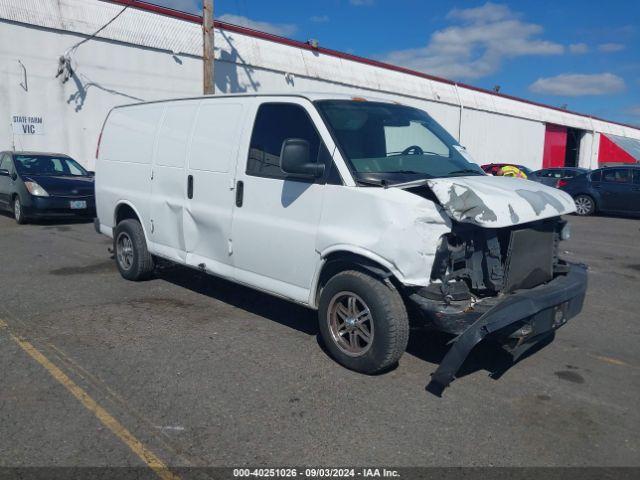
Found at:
(311, 96)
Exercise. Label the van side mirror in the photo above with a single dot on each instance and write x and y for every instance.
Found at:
(295, 159)
(91, 173)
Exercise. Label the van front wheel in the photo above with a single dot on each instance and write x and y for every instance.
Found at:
(132, 257)
(363, 322)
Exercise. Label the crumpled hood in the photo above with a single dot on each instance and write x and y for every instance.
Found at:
(497, 202)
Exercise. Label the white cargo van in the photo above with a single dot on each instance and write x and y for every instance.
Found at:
(361, 209)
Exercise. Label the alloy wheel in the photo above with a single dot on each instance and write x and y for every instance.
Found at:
(124, 251)
(584, 205)
(17, 210)
(350, 323)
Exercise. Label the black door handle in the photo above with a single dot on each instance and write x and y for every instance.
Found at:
(190, 186)
(239, 193)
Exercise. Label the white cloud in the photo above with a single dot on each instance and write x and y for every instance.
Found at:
(578, 48)
(575, 85)
(361, 3)
(610, 47)
(489, 12)
(320, 18)
(283, 29)
(477, 45)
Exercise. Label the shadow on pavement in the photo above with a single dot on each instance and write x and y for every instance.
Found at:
(50, 221)
(428, 346)
(253, 301)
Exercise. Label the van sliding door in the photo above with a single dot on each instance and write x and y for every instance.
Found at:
(168, 180)
(209, 184)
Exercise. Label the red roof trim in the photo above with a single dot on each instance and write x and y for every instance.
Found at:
(189, 17)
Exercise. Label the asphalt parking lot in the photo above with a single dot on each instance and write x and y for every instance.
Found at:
(201, 372)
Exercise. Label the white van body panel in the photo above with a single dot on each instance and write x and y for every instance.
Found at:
(217, 139)
(168, 187)
(123, 174)
(393, 227)
(274, 233)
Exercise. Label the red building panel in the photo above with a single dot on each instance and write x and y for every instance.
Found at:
(609, 152)
(555, 146)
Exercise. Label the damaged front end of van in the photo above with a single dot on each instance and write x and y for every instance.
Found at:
(498, 273)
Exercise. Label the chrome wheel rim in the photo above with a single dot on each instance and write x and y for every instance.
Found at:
(17, 209)
(583, 205)
(124, 251)
(350, 323)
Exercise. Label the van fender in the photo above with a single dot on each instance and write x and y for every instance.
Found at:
(119, 203)
(377, 266)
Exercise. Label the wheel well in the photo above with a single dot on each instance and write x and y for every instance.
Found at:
(337, 262)
(124, 212)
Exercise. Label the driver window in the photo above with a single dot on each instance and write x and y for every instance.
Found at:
(398, 139)
(5, 163)
(74, 169)
(275, 122)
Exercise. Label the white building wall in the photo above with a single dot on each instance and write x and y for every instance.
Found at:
(107, 74)
(493, 138)
(144, 55)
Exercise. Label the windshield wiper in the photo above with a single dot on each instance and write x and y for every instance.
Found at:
(410, 172)
(391, 154)
(377, 183)
(465, 170)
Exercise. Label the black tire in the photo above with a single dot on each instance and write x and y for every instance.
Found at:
(18, 211)
(388, 317)
(585, 205)
(130, 247)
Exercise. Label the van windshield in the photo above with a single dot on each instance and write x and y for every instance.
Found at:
(394, 143)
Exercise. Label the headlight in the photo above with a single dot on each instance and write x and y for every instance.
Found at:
(565, 233)
(35, 189)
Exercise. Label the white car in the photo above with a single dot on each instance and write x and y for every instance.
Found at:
(357, 208)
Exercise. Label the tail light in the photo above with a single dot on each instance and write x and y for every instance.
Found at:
(561, 183)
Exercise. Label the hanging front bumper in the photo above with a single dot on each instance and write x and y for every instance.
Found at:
(518, 320)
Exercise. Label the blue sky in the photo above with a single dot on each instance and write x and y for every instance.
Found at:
(584, 54)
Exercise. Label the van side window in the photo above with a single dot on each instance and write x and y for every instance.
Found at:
(275, 122)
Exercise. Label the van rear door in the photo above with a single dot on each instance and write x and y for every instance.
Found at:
(209, 183)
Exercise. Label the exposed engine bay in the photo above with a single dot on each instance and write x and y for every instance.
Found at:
(485, 262)
(476, 266)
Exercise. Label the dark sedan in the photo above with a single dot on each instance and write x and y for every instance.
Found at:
(43, 185)
(607, 190)
(551, 176)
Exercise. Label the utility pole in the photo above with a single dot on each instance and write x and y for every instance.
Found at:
(207, 48)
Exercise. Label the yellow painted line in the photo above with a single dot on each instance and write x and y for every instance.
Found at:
(90, 404)
(612, 361)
